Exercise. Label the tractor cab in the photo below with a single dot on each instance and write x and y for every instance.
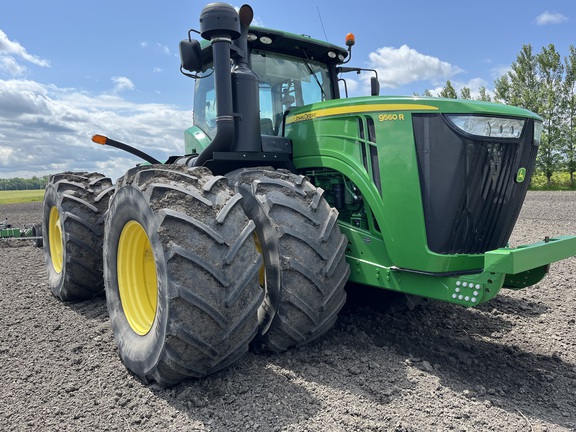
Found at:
(292, 71)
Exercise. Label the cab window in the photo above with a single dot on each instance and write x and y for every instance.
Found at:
(285, 82)
(205, 105)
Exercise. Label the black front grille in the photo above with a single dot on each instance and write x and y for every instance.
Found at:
(470, 195)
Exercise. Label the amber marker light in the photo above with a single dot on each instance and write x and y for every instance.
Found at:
(350, 39)
(99, 139)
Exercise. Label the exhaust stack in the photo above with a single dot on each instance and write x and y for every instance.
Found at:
(220, 24)
(245, 89)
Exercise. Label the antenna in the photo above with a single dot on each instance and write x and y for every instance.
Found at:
(322, 23)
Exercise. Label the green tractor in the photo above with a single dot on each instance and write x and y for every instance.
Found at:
(287, 191)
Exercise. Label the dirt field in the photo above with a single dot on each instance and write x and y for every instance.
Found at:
(508, 365)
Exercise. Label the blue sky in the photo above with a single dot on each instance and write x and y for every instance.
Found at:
(71, 69)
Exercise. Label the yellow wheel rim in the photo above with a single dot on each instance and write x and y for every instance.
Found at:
(137, 278)
(55, 239)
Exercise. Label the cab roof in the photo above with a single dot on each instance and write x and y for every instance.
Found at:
(287, 43)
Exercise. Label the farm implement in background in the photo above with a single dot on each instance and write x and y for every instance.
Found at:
(30, 232)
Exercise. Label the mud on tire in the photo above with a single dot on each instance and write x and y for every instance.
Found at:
(200, 291)
(303, 251)
(72, 229)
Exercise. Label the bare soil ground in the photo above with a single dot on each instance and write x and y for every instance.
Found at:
(508, 365)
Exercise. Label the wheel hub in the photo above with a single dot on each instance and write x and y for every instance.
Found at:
(137, 278)
(55, 239)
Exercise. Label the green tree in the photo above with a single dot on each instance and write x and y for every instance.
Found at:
(521, 85)
(448, 91)
(502, 89)
(484, 95)
(551, 103)
(427, 93)
(465, 93)
(570, 112)
(18, 183)
(536, 82)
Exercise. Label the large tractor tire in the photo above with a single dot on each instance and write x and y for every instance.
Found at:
(72, 231)
(181, 273)
(304, 271)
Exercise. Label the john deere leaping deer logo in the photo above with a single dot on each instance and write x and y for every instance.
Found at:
(521, 175)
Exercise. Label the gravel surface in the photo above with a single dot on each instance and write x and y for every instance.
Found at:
(508, 365)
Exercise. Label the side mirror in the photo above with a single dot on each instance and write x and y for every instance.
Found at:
(191, 55)
(374, 86)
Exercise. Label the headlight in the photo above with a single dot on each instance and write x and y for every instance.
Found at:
(493, 127)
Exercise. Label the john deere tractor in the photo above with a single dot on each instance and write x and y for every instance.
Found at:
(287, 190)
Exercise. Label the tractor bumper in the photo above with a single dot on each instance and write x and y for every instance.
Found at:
(524, 258)
(527, 265)
(512, 268)
(515, 268)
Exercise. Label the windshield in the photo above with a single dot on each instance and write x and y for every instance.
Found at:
(285, 82)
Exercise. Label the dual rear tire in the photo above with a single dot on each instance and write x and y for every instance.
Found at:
(303, 251)
(181, 273)
(73, 230)
(195, 270)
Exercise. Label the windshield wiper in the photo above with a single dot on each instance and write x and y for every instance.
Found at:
(311, 71)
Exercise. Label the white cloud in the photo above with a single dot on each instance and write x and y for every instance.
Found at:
(122, 83)
(500, 71)
(351, 85)
(10, 54)
(399, 66)
(45, 129)
(547, 18)
(13, 48)
(11, 66)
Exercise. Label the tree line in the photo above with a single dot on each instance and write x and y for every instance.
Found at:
(544, 83)
(18, 183)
